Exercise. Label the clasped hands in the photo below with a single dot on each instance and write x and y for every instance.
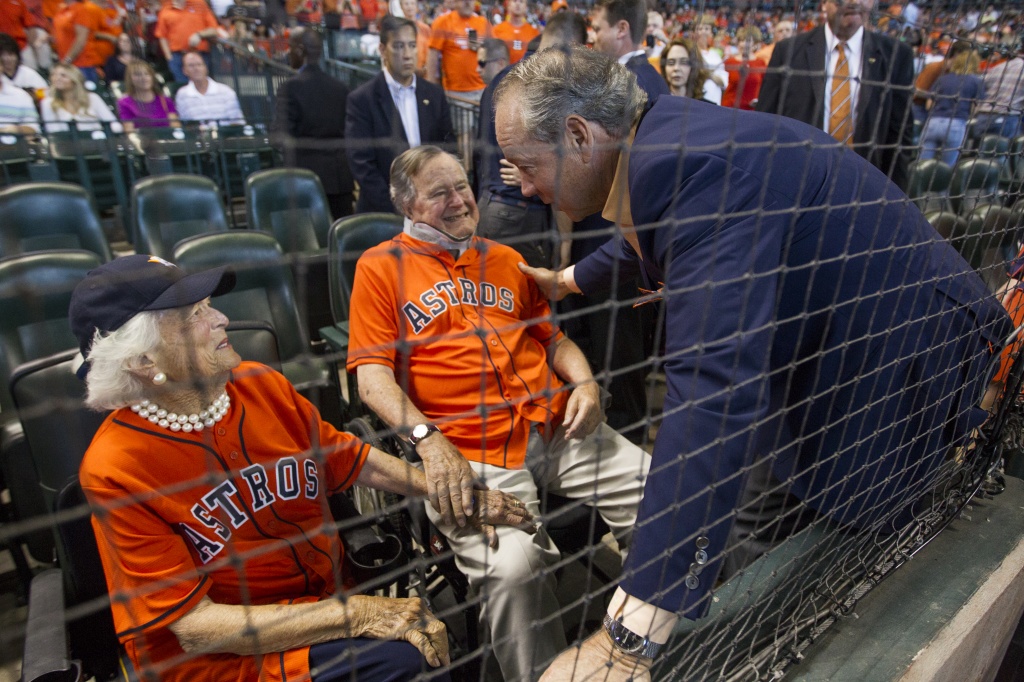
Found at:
(460, 497)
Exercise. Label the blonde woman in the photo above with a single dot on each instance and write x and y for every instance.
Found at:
(68, 100)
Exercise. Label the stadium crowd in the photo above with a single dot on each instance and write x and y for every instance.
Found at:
(896, 84)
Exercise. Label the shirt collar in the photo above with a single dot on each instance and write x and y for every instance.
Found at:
(853, 45)
(629, 55)
(617, 207)
(395, 86)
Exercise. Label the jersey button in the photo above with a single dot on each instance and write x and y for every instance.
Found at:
(221, 431)
(234, 455)
(494, 342)
(310, 556)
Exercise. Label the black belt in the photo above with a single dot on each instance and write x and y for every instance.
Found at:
(492, 196)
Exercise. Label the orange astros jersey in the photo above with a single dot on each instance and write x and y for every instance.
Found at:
(236, 512)
(516, 37)
(467, 339)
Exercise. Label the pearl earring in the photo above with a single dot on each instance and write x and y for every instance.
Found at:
(159, 378)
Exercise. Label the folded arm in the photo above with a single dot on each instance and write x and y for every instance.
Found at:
(250, 630)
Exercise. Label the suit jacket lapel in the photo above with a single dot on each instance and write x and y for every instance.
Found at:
(387, 105)
(814, 63)
(873, 72)
(423, 105)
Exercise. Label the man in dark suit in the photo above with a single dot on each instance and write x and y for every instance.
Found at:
(309, 121)
(813, 322)
(391, 113)
(799, 84)
(620, 28)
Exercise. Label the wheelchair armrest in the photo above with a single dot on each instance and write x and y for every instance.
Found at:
(46, 649)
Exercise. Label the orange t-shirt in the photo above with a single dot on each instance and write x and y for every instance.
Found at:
(516, 37)
(106, 49)
(176, 26)
(468, 342)
(236, 512)
(422, 46)
(74, 14)
(450, 36)
(15, 17)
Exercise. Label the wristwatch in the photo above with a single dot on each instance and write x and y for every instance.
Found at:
(421, 431)
(627, 641)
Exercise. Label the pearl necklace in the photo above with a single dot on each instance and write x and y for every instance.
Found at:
(184, 422)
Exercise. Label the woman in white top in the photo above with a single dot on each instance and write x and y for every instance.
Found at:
(704, 33)
(68, 100)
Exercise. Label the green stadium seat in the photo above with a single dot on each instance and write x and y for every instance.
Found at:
(169, 208)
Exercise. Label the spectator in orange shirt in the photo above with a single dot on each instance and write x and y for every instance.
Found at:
(114, 12)
(411, 11)
(515, 31)
(18, 22)
(781, 31)
(77, 30)
(745, 71)
(185, 25)
(455, 37)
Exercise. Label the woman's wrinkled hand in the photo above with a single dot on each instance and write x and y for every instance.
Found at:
(401, 619)
(497, 508)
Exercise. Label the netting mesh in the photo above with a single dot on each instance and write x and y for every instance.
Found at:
(805, 370)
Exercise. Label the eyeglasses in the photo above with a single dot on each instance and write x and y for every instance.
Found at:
(482, 63)
(678, 62)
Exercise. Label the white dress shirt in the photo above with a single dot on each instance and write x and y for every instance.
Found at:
(854, 56)
(404, 97)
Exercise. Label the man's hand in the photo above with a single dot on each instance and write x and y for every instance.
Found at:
(406, 619)
(450, 479)
(597, 659)
(583, 411)
(550, 282)
(510, 174)
(497, 508)
(194, 40)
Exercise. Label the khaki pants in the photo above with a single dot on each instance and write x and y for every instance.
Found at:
(516, 582)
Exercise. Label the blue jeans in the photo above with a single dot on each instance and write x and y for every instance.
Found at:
(90, 73)
(1004, 125)
(945, 136)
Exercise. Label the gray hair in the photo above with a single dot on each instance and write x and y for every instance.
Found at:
(113, 356)
(555, 83)
(404, 170)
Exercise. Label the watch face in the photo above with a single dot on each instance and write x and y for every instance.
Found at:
(420, 430)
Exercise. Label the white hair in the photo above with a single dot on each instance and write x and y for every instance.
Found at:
(114, 355)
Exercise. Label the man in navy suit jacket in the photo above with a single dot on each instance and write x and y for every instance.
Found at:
(376, 126)
(797, 79)
(814, 321)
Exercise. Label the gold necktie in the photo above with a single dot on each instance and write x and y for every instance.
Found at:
(840, 123)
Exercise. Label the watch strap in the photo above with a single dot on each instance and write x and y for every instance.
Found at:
(414, 440)
(628, 642)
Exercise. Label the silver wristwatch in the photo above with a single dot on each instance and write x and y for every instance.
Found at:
(421, 431)
(627, 641)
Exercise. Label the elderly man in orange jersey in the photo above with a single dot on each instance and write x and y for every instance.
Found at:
(455, 349)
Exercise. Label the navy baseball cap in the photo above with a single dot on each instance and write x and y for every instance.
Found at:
(117, 291)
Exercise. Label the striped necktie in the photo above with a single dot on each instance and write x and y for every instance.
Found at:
(840, 123)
